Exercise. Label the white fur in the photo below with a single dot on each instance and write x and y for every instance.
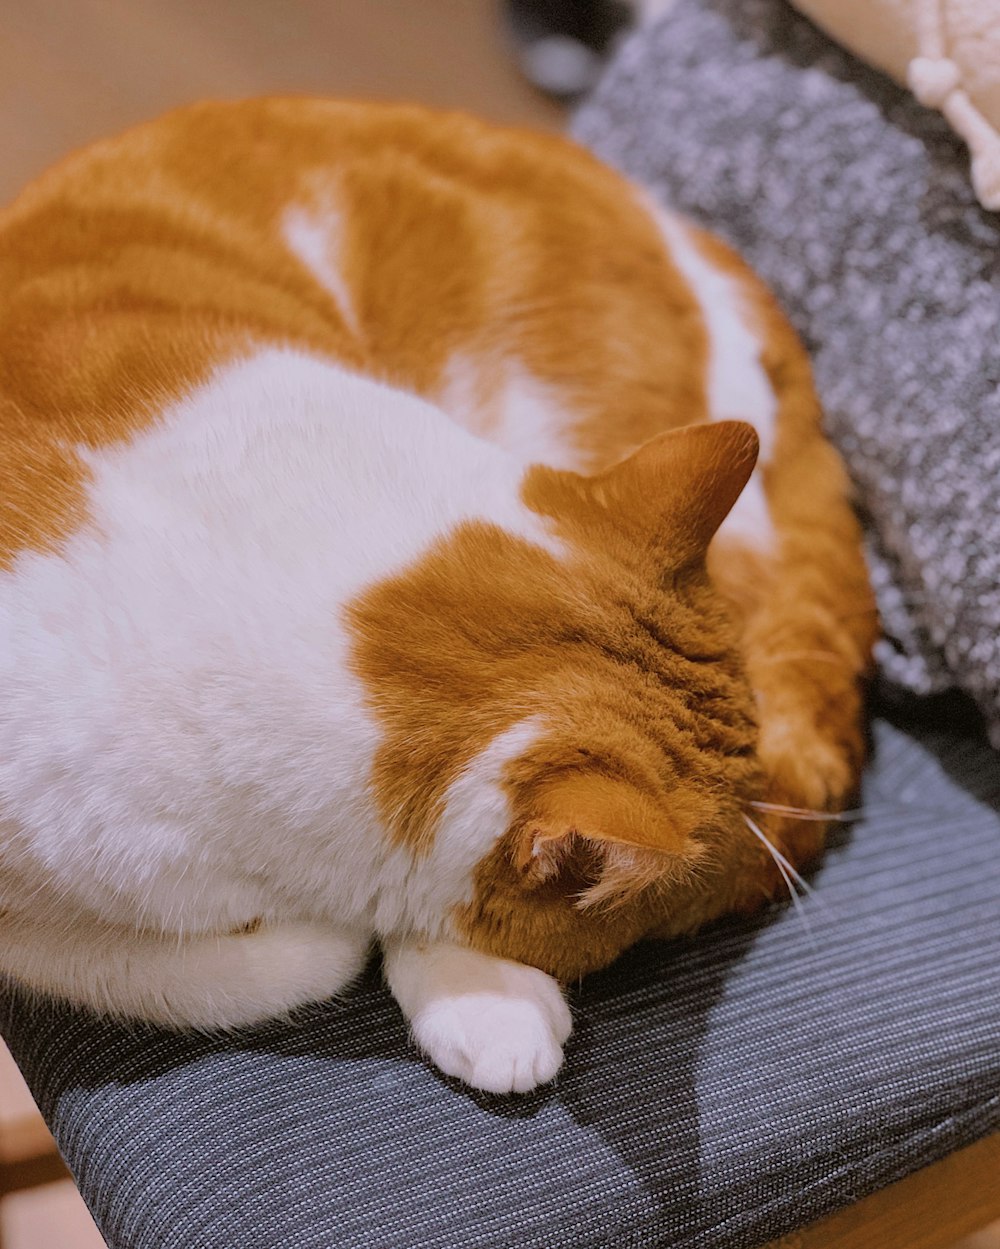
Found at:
(476, 812)
(183, 747)
(228, 980)
(493, 1023)
(315, 236)
(505, 403)
(738, 385)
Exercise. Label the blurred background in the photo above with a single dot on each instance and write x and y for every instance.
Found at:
(75, 70)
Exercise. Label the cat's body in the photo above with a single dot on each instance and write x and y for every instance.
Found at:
(302, 646)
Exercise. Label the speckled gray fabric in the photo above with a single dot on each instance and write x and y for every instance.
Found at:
(853, 202)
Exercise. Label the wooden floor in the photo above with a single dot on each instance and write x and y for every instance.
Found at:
(51, 1216)
(74, 70)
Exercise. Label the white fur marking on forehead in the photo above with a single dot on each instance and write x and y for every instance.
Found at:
(316, 238)
(738, 385)
(475, 815)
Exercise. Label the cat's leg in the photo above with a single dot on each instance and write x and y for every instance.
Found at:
(790, 560)
(223, 981)
(808, 628)
(498, 1025)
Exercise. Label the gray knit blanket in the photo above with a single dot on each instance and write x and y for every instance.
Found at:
(854, 203)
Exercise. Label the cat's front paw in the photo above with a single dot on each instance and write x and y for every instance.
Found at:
(498, 1025)
(501, 1043)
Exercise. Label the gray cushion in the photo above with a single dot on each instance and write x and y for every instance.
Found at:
(854, 203)
(717, 1092)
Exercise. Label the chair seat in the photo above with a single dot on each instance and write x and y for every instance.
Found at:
(717, 1092)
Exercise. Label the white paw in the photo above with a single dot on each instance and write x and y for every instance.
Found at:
(498, 1043)
(498, 1025)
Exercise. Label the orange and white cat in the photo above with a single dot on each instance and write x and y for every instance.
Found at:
(383, 559)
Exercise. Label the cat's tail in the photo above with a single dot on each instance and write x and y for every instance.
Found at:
(203, 982)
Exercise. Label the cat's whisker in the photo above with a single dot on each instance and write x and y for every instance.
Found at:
(799, 879)
(807, 813)
(787, 871)
(783, 865)
(802, 883)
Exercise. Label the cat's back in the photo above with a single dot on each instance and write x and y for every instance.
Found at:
(502, 274)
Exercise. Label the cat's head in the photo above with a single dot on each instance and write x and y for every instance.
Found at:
(577, 726)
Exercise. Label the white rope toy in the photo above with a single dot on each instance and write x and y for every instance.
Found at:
(936, 81)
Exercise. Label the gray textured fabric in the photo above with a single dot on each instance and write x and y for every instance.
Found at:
(717, 1092)
(853, 202)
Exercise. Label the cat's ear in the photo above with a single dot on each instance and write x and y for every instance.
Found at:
(599, 827)
(683, 483)
(668, 497)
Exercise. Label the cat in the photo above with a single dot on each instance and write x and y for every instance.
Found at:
(409, 534)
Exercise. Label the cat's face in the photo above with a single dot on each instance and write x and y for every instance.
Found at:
(615, 669)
